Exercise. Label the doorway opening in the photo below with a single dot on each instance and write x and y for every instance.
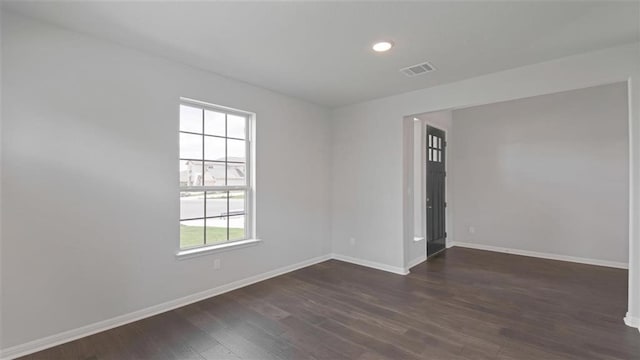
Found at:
(419, 154)
(436, 202)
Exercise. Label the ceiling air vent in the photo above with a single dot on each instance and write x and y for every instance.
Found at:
(420, 69)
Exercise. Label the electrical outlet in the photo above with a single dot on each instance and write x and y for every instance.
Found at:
(216, 264)
(352, 241)
(472, 230)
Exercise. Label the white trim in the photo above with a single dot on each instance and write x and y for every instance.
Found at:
(70, 335)
(371, 264)
(613, 264)
(213, 188)
(632, 321)
(416, 261)
(217, 108)
(231, 245)
(633, 304)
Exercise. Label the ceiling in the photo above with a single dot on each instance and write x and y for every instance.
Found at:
(321, 51)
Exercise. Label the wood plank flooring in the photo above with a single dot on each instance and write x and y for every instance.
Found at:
(464, 304)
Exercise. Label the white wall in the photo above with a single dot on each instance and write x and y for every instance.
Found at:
(546, 174)
(369, 184)
(84, 240)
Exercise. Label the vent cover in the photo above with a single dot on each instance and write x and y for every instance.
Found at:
(420, 69)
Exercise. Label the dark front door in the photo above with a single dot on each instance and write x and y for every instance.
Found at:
(436, 234)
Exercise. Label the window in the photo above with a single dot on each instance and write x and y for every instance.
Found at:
(215, 191)
(436, 147)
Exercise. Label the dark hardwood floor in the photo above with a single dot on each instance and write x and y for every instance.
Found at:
(464, 304)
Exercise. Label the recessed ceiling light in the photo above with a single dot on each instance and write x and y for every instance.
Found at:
(382, 46)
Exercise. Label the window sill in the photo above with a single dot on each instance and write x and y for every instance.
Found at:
(189, 253)
(418, 238)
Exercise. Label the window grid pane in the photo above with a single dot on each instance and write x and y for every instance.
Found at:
(192, 233)
(192, 205)
(217, 204)
(190, 146)
(214, 148)
(236, 126)
(214, 123)
(216, 230)
(190, 119)
(214, 173)
(236, 227)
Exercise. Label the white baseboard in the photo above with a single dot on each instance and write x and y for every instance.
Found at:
(416, 261)
(632, 321)
(613, 264)
(371, 264)
(66, 336)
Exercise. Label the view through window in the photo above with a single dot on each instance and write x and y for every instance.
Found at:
(214, 178)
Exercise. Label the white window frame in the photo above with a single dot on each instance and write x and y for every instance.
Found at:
(249, 187)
